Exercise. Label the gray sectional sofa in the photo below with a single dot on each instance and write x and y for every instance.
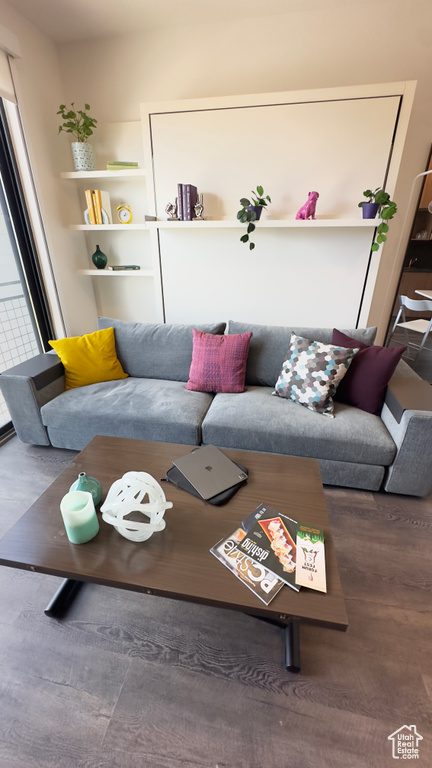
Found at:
(390, 452)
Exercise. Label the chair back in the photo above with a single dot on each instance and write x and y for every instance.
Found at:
(416, 305)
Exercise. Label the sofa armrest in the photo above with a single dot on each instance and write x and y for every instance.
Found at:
(407, 414)
(26, 388)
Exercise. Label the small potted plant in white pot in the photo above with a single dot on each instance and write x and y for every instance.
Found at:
(79, 123)
(251, 211)
(378, 201)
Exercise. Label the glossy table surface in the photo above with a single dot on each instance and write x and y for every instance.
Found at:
(176, 562)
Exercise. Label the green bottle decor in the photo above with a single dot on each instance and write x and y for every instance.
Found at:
(86, 483)
(99, 259)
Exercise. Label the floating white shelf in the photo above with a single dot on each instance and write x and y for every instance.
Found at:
(126, 174)
(117, 273)
(266, 223)
(111, 227)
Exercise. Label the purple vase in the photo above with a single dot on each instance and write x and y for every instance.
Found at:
(257, 209)
(370, 210)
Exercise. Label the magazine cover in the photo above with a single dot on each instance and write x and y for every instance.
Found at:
(257, 577)
(311, 567)
(270, 539)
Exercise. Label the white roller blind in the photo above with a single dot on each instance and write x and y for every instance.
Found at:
(7, 90)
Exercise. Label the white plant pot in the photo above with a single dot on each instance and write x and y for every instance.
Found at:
(83, 156)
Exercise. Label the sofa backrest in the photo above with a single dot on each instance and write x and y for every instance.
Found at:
(269, 345)
(155, 351)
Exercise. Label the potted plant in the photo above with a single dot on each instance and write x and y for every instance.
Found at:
(378, 200)
(79, 123)
(251, 211)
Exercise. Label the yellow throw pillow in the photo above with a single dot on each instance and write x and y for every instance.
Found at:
(89, 359)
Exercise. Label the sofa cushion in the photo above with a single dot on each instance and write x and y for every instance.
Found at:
(269, 345)
(88, 359)
(366, 380)
(256, 421)
(311, 373)
(155, 351)
(218, 362)
(144, 409)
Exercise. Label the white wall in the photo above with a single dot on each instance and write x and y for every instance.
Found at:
(346, 43)
(40, 91)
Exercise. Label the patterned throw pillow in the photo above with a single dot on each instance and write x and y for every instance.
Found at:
(311, 373)
(218, 362)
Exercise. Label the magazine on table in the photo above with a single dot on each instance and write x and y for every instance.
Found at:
(311, 566)
(257, 577)
(271, 541)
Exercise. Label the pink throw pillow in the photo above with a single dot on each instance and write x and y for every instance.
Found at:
(218, 362)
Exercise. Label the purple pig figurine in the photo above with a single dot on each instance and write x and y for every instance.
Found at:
(307, 211)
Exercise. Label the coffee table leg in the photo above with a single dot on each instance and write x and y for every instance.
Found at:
(63, 598)
(292, 646)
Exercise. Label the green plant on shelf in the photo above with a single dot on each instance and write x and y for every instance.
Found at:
(247, 214)
(77, 122)
(387, 208)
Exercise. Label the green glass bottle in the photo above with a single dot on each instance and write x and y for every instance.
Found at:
(86, 483)
(99, 259)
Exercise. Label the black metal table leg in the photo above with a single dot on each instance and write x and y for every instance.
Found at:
(63, 598)
(292, 646)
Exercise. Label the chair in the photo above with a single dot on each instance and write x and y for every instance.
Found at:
(418, 326)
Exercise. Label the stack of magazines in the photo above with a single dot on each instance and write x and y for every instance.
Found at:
(269, 550)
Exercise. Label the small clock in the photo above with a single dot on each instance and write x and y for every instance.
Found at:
(124, 214)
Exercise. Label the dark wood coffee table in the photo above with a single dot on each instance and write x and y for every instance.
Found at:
(176, 563)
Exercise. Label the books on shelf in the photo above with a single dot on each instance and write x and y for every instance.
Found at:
(98, 206)
(270, 550)
(123, 267)
(187, 198)
(121, 165)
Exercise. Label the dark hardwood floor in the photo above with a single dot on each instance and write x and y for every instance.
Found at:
(128, 681)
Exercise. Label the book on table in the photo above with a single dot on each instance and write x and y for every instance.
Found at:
(311, 567)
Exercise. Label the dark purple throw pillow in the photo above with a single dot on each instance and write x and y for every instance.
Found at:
(364, 384)
(218, 362)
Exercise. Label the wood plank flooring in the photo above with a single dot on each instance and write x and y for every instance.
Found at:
(128, 681)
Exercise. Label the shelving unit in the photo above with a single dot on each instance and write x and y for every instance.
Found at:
(108, 295)
(117, 273)
(266, 224)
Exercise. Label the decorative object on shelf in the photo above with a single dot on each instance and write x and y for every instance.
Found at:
(251, 211)
(120, 165)
(124, 214)
(105, 219)
(85, 482)
(125, 497)
(124, 267)
(199, 209)
(307, 211)
(79, 516)
(380, 202)
(99, 259)
(171, 210)
(80, 125)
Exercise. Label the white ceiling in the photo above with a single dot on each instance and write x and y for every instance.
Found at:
(71, 20)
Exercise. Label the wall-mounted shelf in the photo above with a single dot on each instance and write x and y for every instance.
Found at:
(110, 227)
(127, 174)
(117, 273)
(266, 224)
